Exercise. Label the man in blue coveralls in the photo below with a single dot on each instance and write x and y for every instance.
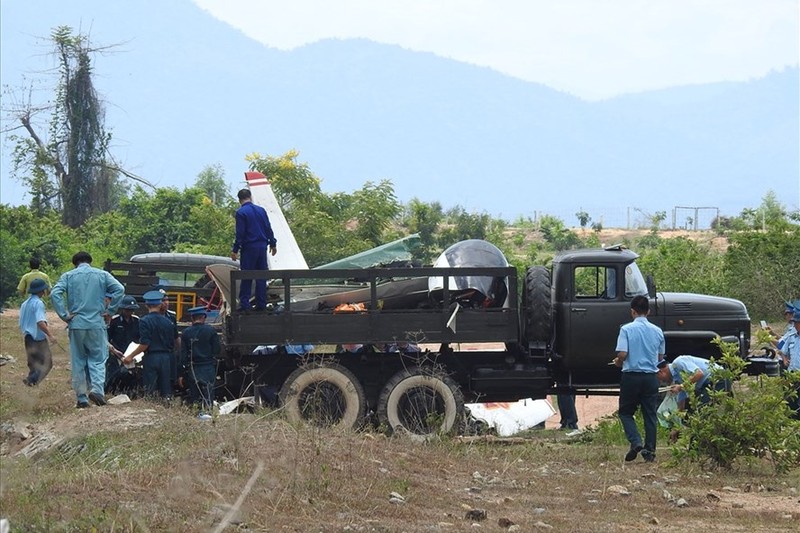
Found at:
(200, 347)
(79, 299)
(640, 346)
(253, 236)
(157, 342)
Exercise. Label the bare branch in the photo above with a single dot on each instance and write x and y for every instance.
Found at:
(130, 175)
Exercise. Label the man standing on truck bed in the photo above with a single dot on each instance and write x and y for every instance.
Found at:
(640, 345)
(253, 235)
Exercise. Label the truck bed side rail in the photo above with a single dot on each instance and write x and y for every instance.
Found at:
(389, 316)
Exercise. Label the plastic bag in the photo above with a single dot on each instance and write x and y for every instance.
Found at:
(668, 413)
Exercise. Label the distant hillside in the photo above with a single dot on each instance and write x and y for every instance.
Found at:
(185, 91)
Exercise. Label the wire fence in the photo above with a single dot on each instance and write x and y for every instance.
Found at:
(693, 218)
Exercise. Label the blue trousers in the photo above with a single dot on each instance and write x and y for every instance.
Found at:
(88, 351)
(639, 389)
(253, 257)
(566, 407)
(201, 384)
(156, 374)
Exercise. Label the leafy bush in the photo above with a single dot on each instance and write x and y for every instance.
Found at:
(684, 265)
(753, 421)
(762, 270)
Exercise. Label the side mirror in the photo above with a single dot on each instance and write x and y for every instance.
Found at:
(651, 286)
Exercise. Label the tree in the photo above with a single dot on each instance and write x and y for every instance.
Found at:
(583, 218)
(291, 181)
(684, 265)
(557, 234)
(424, 219)
(460, 225)
(374, 207)
(211, 181)
(71, 170)
(770, 214)
(762, 270)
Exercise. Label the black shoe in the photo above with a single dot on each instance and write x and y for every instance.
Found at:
(632, 453)
(97, 399)
(82, 405)
(648, 456)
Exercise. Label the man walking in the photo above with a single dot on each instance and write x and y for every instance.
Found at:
(640, 345)
(253, 236)
(33, 324)
(79, 299)
(34, 273)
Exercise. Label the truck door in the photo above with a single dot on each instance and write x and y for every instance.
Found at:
(598, 306)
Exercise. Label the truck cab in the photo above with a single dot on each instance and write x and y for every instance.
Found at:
(591, 295)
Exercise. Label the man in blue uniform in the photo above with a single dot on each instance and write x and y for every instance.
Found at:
(791, 357)
(791, 345)
(253, 236)
(640, 346)
(699, 372)
(122, 330)
(173, 317)
(199, 350)
(79, 299)
(33, 324)
(157, 342)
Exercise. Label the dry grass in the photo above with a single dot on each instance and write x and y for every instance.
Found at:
(142, 467)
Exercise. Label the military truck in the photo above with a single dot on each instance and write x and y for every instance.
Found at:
(411, 358)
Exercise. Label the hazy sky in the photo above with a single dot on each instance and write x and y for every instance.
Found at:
(590, 48)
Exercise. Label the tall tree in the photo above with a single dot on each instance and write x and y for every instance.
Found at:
(71, 168)
(211, 181)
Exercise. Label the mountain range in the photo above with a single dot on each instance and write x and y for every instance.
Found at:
(184, 90)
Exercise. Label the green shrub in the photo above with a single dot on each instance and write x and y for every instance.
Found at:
(751, 422)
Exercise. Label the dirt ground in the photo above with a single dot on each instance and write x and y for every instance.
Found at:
(143, 467)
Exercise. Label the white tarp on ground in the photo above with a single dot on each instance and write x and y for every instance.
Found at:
(509, 418)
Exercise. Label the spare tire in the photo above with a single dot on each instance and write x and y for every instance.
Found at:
(324, 395)
(538, 305)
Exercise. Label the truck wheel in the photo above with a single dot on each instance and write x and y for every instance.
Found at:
(324, 395)
(538, 306)
(421, 401)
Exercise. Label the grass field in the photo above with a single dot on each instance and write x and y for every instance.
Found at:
(143, 467)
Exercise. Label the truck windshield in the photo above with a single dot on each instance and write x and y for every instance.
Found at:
(634, 281)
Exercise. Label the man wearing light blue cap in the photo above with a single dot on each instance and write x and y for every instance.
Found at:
(791, 358)
(200, 347)
(791, 308)
(79, 299)
(791, 345)
(157, 342)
